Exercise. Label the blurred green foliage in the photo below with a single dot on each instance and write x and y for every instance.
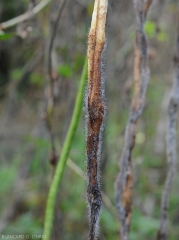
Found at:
(16, 74)
(36, 79)
(64, 70)
(5, 36)
(150, 29)
(27, 224)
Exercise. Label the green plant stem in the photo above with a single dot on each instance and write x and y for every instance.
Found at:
(50, 208)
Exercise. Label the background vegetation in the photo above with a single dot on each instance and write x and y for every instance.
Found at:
(25, 172)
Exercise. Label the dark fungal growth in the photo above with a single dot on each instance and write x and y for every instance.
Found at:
(95, 111)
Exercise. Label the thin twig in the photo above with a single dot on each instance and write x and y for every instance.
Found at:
(171, 148)
(53, 36)
(25, 16)
(50, 105)
(123, 184)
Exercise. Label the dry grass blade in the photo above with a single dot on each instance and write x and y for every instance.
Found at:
(171, 148)
(96, 109)
(123, 185)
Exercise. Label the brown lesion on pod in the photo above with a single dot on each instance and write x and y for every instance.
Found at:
(96, 116)
(96, 112)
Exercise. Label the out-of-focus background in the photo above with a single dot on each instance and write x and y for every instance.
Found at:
(25, 172)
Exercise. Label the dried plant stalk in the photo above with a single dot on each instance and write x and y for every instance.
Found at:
(123, 184)
(171, 148)
(52, 78)
(96, 109)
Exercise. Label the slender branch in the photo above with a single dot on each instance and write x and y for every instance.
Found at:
(49, 214)
(171, 148)
(53, 36)
(50, 105)
(25, 16)
(123, 184)
(96, 111)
